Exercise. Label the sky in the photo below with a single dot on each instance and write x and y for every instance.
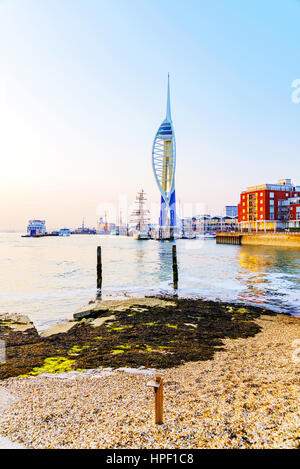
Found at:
(83, 91)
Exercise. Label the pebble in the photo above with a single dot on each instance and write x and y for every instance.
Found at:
(246, 397)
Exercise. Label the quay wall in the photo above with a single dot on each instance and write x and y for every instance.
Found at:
(263, 239)
(272, 239)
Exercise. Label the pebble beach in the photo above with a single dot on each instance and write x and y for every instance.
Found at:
(246, 396)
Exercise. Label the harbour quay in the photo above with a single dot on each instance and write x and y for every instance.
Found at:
(263, 239)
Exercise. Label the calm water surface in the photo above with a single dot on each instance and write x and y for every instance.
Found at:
(48, 279)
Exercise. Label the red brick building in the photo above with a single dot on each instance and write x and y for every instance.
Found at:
(269, 207)
(294, 213)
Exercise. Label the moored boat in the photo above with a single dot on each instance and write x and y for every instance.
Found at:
(138, 235)
(64, 232)
(206, 236)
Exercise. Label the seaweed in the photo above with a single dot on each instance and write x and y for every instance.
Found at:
(155, 337)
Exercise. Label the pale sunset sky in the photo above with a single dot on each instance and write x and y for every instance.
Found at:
(83, 90)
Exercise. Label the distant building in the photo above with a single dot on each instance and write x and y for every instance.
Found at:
(269, 207)
(36, 227)
(221, 224)
(231, 211)
(203, 223)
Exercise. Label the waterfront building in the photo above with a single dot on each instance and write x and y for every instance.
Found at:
(218, 224)
(269, 207)
(230, 211)
(294, 221)
(207, 223)
(36, 227)
(164, 163)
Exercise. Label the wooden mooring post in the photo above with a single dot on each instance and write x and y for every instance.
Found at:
(99, 271)
(158, 386)
(175, 267)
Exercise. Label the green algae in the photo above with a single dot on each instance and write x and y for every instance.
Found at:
(119, 328)
(75, 350)
(52, 365)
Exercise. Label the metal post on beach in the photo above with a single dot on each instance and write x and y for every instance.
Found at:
(158, 387)
(175, 267)
(99, 271)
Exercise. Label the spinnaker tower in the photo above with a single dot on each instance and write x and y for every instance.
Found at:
(164, 163)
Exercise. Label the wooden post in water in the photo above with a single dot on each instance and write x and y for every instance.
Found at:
(158, 386)
(175, 267)
(99, 270)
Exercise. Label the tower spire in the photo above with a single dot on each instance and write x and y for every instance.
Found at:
(168, 116)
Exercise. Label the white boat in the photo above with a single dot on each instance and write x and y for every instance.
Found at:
(188, 235)
(64, 232)
(141, 235)
(206, 236)
(36, 228)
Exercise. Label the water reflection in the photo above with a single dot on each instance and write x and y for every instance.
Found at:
(266, 274)
(164, 251)
(140, 258)
(252, 274)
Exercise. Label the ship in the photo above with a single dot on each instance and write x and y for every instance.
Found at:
(37, 229)
(104, 227)
(83, 230)
(140, 218)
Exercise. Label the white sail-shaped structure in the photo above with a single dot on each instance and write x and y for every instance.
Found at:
(164, 163)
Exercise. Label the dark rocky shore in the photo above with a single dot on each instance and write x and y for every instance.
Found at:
(150, 332)
(231, 377)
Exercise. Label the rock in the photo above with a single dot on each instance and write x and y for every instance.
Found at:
(99, 321)
(191, 324)
(90, 311)
(17, 322)
(59, 328)
(17, 329)
(99, 308)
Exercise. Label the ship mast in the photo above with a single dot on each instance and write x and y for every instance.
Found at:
(140, 216)
(105, 222)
